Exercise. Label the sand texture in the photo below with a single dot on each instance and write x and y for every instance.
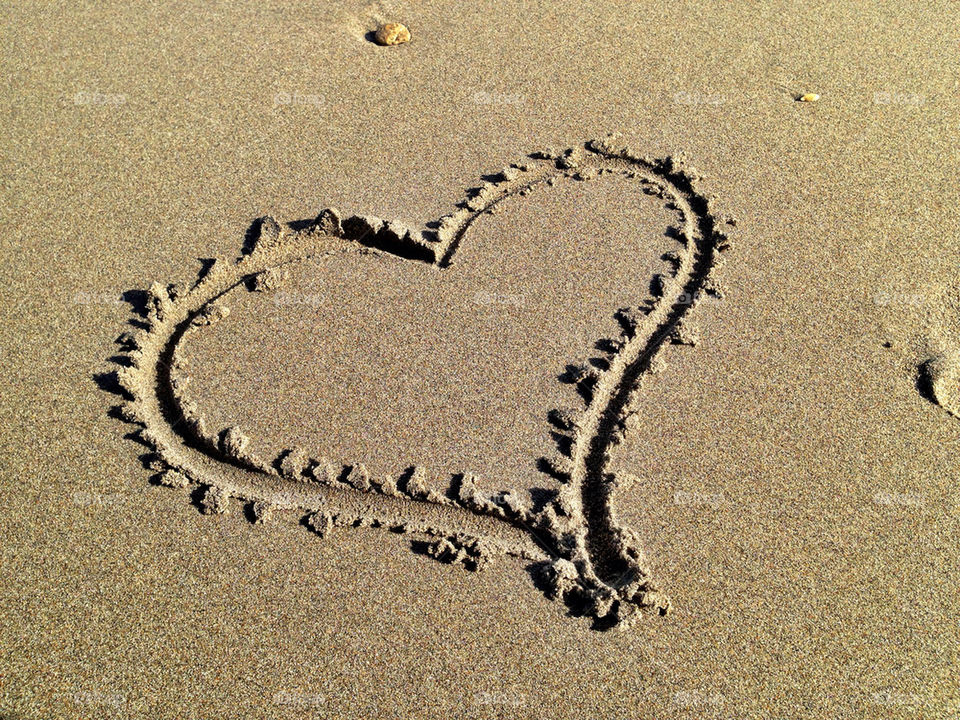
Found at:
(565, 361)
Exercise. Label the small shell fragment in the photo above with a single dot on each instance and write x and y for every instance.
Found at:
(392, 34)
(808, 97)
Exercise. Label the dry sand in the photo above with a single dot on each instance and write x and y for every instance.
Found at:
(791, 479)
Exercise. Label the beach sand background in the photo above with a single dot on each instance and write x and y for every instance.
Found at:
(799, 496)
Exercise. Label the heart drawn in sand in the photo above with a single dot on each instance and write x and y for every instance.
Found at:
(580, 551)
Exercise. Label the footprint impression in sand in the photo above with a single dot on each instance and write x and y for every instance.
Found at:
(939, 375)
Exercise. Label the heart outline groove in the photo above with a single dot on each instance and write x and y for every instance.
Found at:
(578, 550)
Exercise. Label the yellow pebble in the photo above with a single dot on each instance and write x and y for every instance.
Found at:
(809, 97)
(392, 34)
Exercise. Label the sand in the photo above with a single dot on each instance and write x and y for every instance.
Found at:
(482, 411)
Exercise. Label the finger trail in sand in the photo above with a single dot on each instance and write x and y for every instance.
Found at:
(581, 552)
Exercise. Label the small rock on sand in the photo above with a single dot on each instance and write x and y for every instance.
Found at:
(392, 34)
